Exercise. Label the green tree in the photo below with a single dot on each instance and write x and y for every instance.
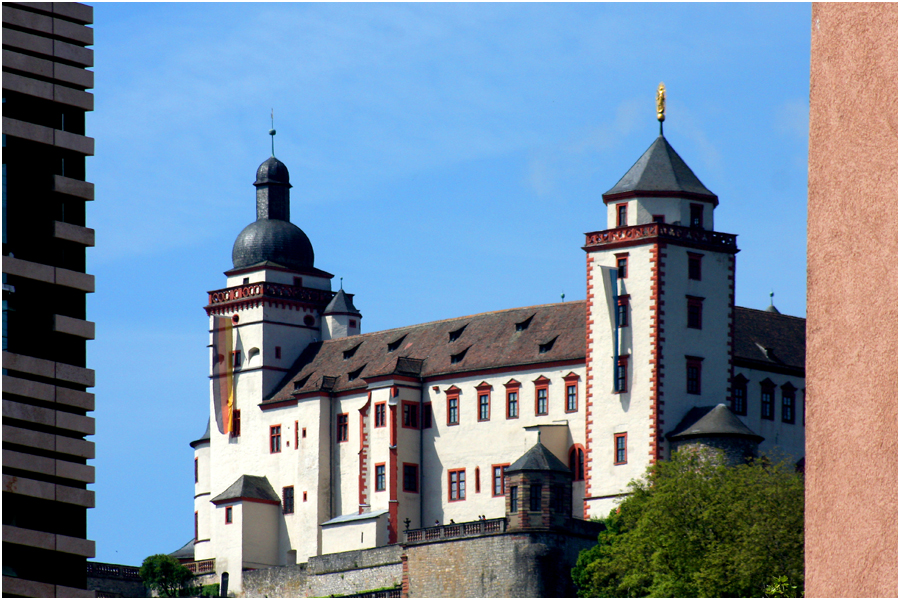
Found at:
(696, 528)
(167, 577)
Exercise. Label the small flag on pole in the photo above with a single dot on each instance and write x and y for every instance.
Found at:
(223, 372)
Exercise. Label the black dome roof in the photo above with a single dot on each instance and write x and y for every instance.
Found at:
(273, 240)
(272, 171)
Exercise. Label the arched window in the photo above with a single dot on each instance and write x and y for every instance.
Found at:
(576, 462)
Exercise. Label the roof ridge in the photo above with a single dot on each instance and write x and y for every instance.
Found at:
(472, 316)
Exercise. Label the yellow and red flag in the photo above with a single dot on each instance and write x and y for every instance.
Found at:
(223, 372)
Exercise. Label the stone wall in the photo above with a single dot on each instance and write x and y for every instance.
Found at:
(509, 565)
(339, 574)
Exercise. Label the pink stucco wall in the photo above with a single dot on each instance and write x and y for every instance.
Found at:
(851, 361)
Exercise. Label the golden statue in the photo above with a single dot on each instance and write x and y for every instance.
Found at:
(661, 102)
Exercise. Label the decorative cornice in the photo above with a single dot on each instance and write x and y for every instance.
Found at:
(246, 295)
(662, 233)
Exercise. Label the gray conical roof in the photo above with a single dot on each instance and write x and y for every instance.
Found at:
(249, 486)
(341, 304)
(202, 438)
(660, 170)
(703, 421)
(538, 458)
(185, 552)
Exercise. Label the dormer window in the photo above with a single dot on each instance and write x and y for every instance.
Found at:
(547, 346)
(298, 385)
(523, 325)
(458, 358)
(454, 335)
(348, 354)
(396, 343)
(621, 215)
(355, 374)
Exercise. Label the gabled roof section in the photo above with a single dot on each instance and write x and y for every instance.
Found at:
(660, 170)
(538, 458)
(491, 340)
(341, 304)
(703, 421)
(249, 487)
(769, 341)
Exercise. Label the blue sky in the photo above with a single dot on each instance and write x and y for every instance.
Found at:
(446, 159)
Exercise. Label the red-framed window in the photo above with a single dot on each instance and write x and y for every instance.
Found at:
(303, 432)
(659, 219)
(411, 478)
(235, 423)
(767, 399)
(695, 271)
(277, 352)
(694, 371)
(343, 427)
(739, 395)
(287, 500)
(576, 462)
(697, 216)
(427, 415)
(236, 359)
(788, 403)
(622, 311)
(352, 322)
(571, 384)
(541, 395)
(621, 448)
(274, 439)
(380, 414)
(499, 479)
(380, 477)
(296, 434)
(477, 480)
(196, 470)
(229, 514)
(483, 391)
(410, 415)
(453, 406)
(304, 496)
(196, 526)
(694, 312)
(456, 479)
(622, 265)
(621, 215)
(512, 399)
(621, 383)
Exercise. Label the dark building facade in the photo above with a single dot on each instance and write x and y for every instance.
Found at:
(46, 401)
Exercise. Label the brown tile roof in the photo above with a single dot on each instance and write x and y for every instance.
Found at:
(769, 341)
(503, 339)
(479, 342)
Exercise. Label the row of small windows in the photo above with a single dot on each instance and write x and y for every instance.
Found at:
(695, 222)
(767, 395)
(513, 403)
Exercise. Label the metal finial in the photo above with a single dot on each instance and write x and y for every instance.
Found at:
(661, 105)
(563, 296)
(771, 297)
(272, 133)
(342, 283)
(539, 436)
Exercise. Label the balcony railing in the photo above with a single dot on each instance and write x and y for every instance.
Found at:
(106, 570)
(202, 567)
(396, 592)
(278, 291)
(724, 241)
(456, 531)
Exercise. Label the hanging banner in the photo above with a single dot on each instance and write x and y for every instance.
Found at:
(223, 372)
(610, 277)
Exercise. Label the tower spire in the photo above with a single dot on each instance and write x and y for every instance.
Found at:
(272, 132)
(661, 105)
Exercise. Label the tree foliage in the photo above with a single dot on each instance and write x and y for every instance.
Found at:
(167, 577)
(696, 528)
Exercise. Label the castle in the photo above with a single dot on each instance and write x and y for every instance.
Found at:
(324, 439)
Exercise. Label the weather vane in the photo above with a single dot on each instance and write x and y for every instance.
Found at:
(272, 133)
(661, 105)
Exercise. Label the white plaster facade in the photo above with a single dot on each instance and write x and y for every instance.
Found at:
(345, 451)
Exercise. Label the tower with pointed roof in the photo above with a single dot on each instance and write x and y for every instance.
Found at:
(668, 345)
